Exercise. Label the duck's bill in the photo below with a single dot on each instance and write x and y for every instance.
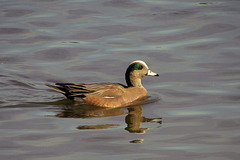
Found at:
(151, 73)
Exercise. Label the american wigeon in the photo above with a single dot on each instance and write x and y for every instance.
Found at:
(110, 94)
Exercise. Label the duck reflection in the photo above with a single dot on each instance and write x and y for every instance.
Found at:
(77, 110)
(133, 119)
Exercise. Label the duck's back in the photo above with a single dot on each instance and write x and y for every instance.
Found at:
(82, 90)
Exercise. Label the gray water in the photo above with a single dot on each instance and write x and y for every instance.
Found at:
(193, 45)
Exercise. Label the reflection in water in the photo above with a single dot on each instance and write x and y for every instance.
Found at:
(103, 126)
(137, 141)
(79, 110)
(134, 118)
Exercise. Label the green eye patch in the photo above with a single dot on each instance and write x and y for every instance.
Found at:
(137, 66)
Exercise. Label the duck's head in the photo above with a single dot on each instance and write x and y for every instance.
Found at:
(136, 71)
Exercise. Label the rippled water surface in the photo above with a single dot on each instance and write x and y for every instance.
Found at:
(193, 45)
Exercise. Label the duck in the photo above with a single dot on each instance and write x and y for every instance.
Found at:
(108, 94)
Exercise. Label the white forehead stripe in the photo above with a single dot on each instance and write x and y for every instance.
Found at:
(141, 62)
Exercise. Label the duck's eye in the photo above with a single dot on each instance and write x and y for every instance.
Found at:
(140, 67)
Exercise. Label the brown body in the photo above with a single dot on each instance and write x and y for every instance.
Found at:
(117, 97)
(110, 94)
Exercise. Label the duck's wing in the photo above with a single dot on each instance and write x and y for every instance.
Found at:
(82, 90)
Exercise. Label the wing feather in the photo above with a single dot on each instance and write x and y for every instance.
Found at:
(82, 90)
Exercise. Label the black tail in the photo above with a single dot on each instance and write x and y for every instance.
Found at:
(61, 89)
(70, 90)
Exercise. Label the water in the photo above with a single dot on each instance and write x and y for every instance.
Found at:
(192, 45)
